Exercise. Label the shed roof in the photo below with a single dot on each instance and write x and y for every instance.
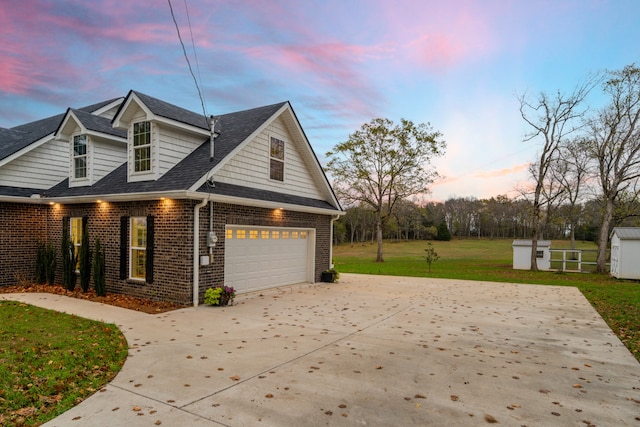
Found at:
(528, 242)
(627, 233)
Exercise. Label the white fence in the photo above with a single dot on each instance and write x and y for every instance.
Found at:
(572, 260)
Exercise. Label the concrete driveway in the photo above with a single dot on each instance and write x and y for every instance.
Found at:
(370, 350)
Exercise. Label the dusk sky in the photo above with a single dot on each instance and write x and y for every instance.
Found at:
(456, 64)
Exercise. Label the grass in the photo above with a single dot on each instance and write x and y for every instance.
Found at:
(617, 301)
(50, 361)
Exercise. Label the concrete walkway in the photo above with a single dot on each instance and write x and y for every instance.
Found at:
(371, 350)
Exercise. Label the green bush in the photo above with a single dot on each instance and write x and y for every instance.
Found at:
(99, 271)
(85, 260)
(41, 263)
(50, 264)
(219, 295)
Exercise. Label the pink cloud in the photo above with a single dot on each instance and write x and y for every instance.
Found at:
(503, 172)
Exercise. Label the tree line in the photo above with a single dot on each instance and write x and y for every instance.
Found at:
(498, 217)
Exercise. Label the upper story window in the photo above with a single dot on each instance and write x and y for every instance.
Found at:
(142, 146)
(80, 156)
(276, 157)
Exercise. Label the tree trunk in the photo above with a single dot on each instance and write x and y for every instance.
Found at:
(379, 237)
(603, 239)
(535, 221)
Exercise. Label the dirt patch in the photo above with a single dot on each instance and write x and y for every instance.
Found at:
(124, 301)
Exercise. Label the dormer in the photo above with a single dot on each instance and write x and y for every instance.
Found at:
(95, 147)
(159, 135)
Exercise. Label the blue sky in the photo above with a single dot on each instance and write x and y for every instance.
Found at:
(456, 64)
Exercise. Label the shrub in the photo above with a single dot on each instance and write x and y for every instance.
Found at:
(41, 264)
(50, 264)
(219, 295)
(99, 272)
(85, 260)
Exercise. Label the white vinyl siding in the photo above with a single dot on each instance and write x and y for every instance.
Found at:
(40, 168)
(250, 166)
(107, 156)
(175, 146)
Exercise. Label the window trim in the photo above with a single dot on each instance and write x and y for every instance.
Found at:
(276, 158)
(132, 220)
(74, 157)
(147, 145)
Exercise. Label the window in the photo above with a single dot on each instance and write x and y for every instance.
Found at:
(229, 234)
(138, 248)
(253, 234)
(539, 254)
(142, 146)
(80, 156)
(276, 155)
(75, 233)
(264, 234)
(241, 234)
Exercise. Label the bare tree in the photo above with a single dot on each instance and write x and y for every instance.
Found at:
(553, 118)
(571, 170)
(615, 145)
(382, 163)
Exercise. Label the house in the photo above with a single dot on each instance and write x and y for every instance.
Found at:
(179, 206)
(522, 254)
(625, 252)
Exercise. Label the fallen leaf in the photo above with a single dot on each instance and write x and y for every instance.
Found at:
(490, 419)
(454, 397)
(268, 396)
(116, 408)
(556, 414)
(576, 386)
(137, 408)
(158, 422)
(342, 406)
(378, 367)
(235, 378)
(419, 396)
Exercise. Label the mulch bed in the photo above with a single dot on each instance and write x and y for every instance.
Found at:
(124, 301)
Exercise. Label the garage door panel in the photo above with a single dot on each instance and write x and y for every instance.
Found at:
(273, 258)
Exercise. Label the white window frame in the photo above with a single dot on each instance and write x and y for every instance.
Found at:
(75, 224)
(137, 148)
(75, 156)
(132, 248)
(276, 157)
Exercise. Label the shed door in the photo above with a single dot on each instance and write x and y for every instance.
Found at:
(264, 257)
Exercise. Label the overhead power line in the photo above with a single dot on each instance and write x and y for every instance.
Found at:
(186, 57)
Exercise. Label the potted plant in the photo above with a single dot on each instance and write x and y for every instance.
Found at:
(330, 276)
(219, 295)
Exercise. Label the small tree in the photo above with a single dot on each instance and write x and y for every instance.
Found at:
(99, 272)
(443, 232)
(85, 259)
(431, 255)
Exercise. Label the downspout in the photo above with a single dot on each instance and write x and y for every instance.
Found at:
(196, 251)
(333, 218)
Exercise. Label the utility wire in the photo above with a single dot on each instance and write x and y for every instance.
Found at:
(184, 51)
(193, 46)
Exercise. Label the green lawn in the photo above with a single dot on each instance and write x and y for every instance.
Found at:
(51, 361)
(617, 301)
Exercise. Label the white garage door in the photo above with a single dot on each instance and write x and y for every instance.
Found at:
(264, 257)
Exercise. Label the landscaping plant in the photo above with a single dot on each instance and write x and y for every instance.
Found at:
(219, 295)
(85, 260)
(41, 264)
(431, 256)
(50, 264)
(99, 272)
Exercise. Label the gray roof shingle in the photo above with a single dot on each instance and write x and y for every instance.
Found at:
(235, 128)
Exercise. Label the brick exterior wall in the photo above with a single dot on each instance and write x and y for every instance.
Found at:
(173, 241)
(22, 227)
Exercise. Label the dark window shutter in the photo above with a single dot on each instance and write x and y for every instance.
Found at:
(124, 238)
(150, 236)
(65, 226)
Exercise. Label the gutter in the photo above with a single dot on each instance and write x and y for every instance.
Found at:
(196, 250)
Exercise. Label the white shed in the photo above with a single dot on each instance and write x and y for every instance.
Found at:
(625, 252)
(522, 254)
